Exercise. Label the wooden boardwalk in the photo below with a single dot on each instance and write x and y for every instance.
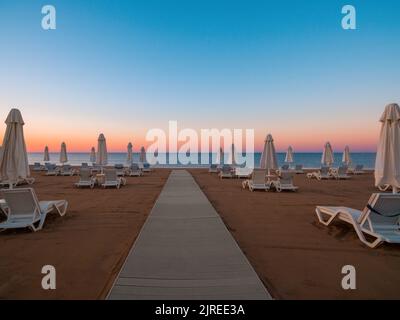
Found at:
(184, 251)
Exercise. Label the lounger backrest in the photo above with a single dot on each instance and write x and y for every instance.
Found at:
(135, 167)
(285, 167)
(342, 170)
(84, 174)
(84, 165)
(110, 175)
(37, 164)
(258, 176)
(324, 170)
(213, 166)
(299, 167)
(359, 167)
(146, 165)
(286, 178)
(226, 169)
(21, 202)
(66, 167)
(51, 167)
(386, 204)
(119, 166)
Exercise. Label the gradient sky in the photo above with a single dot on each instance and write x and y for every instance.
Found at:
(123, 67)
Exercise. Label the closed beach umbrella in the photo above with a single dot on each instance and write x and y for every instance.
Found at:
(46, 156)
(63, 153)
(327, 156)
(102, 156)
(129, 153)
(93, 155)
(220, 157)
(387, 164)
(289, 155)
(14, 158)
(232, 158)
(268, 157)
(142, 155)
(346, 159)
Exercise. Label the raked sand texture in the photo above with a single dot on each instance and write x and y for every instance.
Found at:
(184, 251)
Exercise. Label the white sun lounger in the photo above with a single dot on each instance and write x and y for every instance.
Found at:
(213, 168)
(257, 182)
(379, 219)
(52, 170)
(298, 169)
(112, 180)
(341, 173)
(285, 182)
(85, 179)
(323, 173)
(21, 181)
(243, 172)
(226, 172)
(37, 167)
(67, 170)
(120, 170)
(23, 209)
(145, 167)
(359, 169)
(134, 170)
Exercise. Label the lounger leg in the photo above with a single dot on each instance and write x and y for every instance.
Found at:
(321, 218)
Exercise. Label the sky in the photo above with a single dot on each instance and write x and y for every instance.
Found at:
(123, 67)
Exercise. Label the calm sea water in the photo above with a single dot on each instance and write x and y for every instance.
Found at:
(309, 160)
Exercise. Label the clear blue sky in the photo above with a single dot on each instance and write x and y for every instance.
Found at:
(122, 67)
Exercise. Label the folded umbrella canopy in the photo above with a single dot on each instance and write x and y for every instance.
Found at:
(129, 153)
(93, 155)
(346, 159)
(63, 153)
(289, 155)
(387, 164)
(327, 155)
(142, 155)
(102, 156)
(46, 156)
(268, 157)
(14, 158)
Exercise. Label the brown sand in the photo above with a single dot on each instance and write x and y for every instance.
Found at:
(87, 246)
(296, 257)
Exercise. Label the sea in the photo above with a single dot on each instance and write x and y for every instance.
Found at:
(308, 160)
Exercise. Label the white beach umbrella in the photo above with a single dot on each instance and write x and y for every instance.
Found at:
(63, 153)
(387, 164)
(289, 155)
(46, 156)
(102, 156)
(14, 158)
(93, 155)
(231, 156)
(268, 157)
(142, 155)
(346, 159)
(129, 153)
(327, 156)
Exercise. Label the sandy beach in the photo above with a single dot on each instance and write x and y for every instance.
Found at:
(296, 257)
(87, 246)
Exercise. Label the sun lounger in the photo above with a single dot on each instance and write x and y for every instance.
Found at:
(112, 180)
(323, 173)
(67, 170)
(52, 170)
(257, 182)
(120, 170)
(379, 219)
(285, 167)
(135, 171)
(284, 182)
(243, 172)
(85, 179)
(226, 172)
(23, 209)
(213, 168)
(341, 173)
(20, 182)
(145, 167)
(298, 169)
(37, 167)
(359, 169)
